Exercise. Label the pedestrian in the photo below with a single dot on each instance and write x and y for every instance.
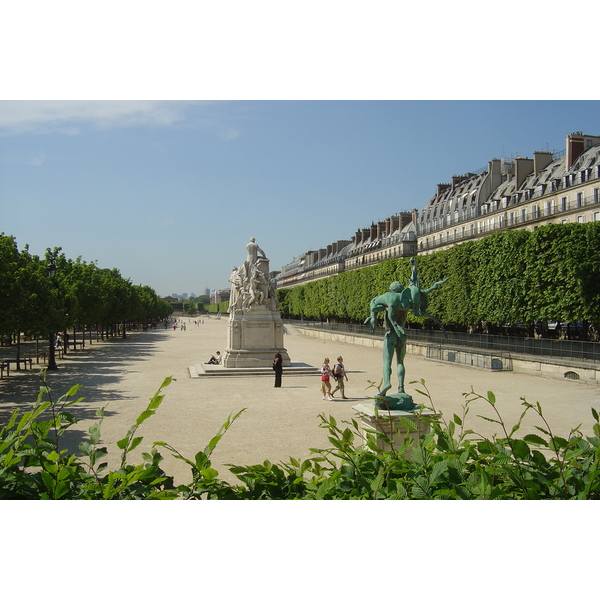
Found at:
(214, 360)
(278, 368)
(339, 372)
(325, 384)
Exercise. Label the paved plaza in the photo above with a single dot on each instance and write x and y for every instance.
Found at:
(122, 374)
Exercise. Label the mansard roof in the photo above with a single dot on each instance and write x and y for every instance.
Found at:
(469, 192)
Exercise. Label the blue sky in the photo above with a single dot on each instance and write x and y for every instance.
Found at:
(170, 192)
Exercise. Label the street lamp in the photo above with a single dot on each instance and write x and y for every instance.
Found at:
(52, 366)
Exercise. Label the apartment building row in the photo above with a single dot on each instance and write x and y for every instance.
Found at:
(523, 193)
(520, 194)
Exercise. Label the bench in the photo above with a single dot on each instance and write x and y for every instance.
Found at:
(18, 361)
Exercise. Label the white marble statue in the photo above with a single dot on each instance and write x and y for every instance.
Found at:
(250, 285)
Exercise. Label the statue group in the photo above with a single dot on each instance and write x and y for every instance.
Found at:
(395, 305)
(255, 328)
(250, 284)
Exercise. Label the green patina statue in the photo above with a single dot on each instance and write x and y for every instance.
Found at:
(395, 305)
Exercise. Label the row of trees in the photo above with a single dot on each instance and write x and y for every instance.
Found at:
(80, 294)
(550, 274)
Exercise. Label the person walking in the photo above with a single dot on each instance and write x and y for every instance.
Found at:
(339, 372)
(278, 368)
(325, 375)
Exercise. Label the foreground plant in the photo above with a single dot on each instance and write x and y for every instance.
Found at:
(450, 462)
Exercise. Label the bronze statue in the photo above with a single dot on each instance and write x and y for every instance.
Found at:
(395, 305)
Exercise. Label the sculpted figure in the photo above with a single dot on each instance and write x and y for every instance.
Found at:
(235, 301)
(395, 305)
(256, 288)
(252, 248)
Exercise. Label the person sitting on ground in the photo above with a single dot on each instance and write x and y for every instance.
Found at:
(215, 360)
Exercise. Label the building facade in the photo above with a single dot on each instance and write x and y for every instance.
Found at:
(523, 193)
(393, 238)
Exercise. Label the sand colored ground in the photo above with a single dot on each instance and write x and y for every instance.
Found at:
(122, 375)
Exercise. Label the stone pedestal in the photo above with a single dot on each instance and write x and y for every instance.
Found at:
(389, 422)
(254, 336)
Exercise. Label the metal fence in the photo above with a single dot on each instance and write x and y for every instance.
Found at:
(567, 349)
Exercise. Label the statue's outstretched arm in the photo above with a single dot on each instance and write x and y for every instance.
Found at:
(436, 284)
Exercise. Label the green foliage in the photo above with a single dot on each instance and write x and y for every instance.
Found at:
(450, 462)
(80, 294)
(219, 307)
(552, 273)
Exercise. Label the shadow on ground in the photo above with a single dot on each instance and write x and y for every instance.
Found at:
(98, 369)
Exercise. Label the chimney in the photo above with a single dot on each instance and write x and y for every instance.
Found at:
(381, 229)
(373, 232)
(495, 171)
(541, 160)
(358, 237)
(366, 234)
(441, 188)
(457, 179)
(388, 226)
(405, 219)
(574, 147)
(523, 168)
(415, 216)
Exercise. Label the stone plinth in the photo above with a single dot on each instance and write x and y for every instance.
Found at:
(254, 337)
(389, 422)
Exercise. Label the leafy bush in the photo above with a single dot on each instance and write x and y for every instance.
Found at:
(450, 462)
(551, 273)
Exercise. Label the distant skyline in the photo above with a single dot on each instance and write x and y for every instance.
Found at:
(170, 192)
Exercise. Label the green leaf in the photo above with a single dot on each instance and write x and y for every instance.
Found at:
(209, 473)
(94, 432)
(143, 416)
(520, 449)
(531, 438)
(491, 398)
(85, 448)
(135, 442)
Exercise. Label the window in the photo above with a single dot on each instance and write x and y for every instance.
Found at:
(511, 218)
(535, 211)
(578, 200)
(581, 219)
(564, 203)
(597, 216)
(596, 194)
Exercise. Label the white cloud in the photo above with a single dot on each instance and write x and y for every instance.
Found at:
(68, 116)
